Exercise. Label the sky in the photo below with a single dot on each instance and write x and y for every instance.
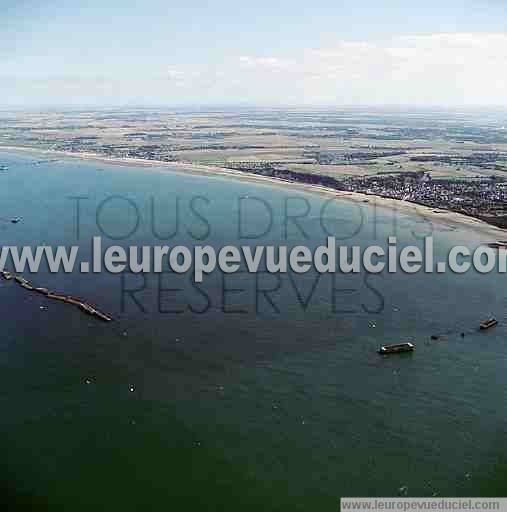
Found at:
(265, 53)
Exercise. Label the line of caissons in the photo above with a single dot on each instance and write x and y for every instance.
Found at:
(86, 308)
(399, 348)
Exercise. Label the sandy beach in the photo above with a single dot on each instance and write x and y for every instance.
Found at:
(441, 217)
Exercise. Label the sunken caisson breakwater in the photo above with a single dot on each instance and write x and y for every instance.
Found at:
(67, 299)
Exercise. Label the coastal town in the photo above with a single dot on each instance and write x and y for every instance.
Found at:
(482, 198)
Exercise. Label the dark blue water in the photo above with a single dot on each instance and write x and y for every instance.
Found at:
(245, 392)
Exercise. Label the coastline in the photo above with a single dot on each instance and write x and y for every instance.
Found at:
(441, 217)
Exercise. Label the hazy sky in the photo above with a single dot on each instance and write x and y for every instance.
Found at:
(276, 52)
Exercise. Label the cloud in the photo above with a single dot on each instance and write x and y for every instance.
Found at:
(270, 63)
(438, 68)
(433, 69)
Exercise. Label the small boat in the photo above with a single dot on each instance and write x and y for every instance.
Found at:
(15, 220)
(396, 349)
(487, 324)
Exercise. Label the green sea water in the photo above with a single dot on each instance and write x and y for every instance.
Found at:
(247, 392)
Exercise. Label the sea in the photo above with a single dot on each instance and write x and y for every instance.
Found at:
(245, 391)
